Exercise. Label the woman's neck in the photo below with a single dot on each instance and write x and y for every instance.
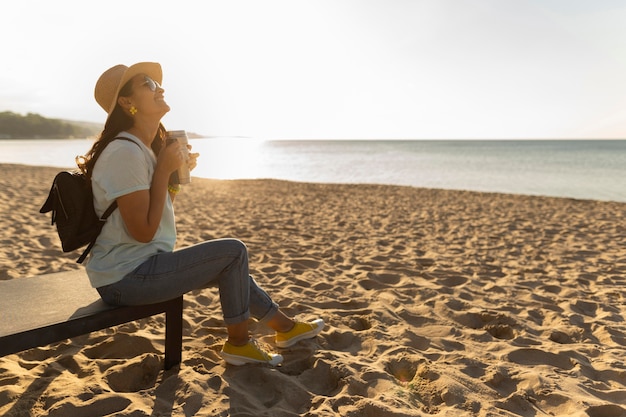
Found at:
(146, 133)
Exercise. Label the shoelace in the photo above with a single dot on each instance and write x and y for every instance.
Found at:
(255, 343)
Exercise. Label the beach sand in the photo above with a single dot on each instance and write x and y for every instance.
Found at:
(437, 303)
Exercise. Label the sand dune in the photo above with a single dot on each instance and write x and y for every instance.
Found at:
(439, 303)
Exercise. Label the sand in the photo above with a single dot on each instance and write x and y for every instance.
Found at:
(437, 303)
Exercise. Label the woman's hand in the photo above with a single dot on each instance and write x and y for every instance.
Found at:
(193, 159)
(170, 158)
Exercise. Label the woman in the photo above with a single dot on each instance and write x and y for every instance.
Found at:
(133, 261)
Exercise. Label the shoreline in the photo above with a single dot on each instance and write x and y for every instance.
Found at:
(566, 169)
(437, 302)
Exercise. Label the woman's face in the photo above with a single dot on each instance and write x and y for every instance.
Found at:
(148, 97)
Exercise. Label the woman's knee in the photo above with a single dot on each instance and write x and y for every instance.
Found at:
(237, 245)
(237, 250)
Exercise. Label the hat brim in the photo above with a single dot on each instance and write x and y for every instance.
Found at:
(151, 69)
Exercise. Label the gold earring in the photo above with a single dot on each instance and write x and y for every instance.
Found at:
(133, 110)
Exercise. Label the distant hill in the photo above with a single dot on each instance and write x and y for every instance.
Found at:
(35, 126)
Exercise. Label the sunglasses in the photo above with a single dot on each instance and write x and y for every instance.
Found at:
(152, 85)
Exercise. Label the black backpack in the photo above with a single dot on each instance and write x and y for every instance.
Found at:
(71, 202)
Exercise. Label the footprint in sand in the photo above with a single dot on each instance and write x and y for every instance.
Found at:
(343, 341)
(403, 368)
(359, 323)
(564, 338)
(134, 375)
(529, 356)
(323, 378)
(497, 325)
(608, 410)
(120, 346)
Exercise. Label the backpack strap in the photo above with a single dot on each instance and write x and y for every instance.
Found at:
(104, 216)
(103, 220)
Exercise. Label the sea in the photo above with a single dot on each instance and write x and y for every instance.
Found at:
(581, 169)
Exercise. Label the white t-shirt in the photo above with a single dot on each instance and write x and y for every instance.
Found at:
(121, 169)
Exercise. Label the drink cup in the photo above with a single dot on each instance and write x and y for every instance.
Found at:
(181, 175)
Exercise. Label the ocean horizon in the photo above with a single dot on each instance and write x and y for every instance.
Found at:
(582, 169)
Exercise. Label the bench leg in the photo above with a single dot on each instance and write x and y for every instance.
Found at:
(174, 333)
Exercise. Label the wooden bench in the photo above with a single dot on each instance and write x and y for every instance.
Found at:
(45, 309)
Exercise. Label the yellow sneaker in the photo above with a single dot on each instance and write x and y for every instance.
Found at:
(248, 353)
(299, 332)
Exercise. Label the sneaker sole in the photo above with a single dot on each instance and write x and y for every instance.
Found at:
(244, 360)
(308, 335)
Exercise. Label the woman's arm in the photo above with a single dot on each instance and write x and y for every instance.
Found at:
(142, 210)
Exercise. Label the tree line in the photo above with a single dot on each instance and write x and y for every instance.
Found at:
(33, 126)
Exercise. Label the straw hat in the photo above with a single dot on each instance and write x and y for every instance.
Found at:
(112, 80)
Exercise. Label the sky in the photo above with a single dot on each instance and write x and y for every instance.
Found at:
(332, 69)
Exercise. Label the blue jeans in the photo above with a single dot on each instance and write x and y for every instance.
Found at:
(222, 263)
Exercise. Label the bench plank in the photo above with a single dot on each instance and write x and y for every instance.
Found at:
(45, 309)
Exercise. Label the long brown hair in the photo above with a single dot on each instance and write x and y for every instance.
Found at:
(118, 121)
